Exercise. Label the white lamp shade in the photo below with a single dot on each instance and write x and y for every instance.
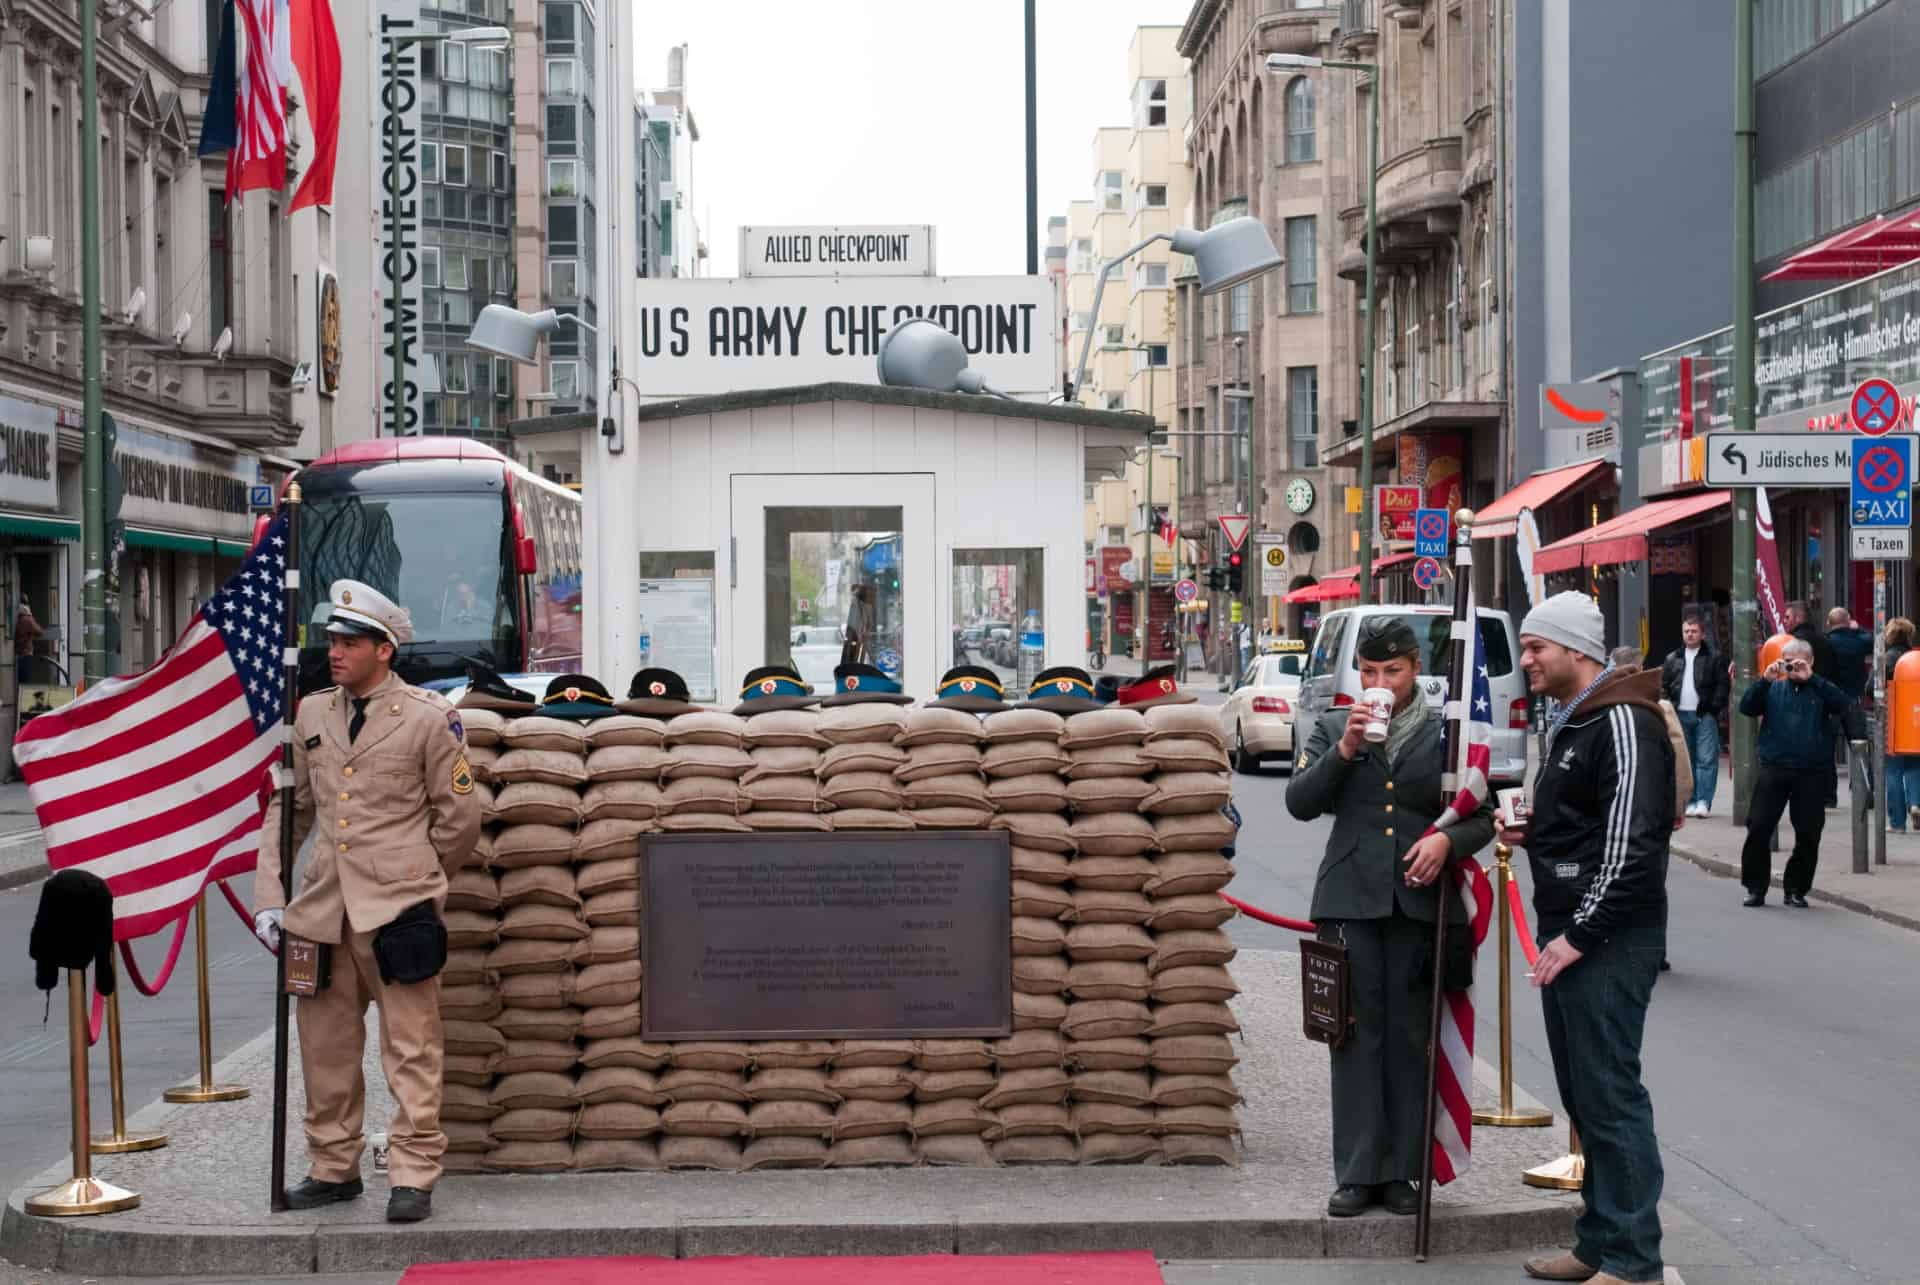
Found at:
(1229, 253)
(919, 354)
(510, 332)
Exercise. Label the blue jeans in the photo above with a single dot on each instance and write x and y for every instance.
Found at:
(1703, 742)
(1596, 1013)
(1903, 788)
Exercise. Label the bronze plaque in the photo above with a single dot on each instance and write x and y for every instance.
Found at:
(889, 935)
(1325, 1001)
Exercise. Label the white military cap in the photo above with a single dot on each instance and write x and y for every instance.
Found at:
(362, 609)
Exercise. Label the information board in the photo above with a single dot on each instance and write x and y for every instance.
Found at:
(891, 935)
(679, 619)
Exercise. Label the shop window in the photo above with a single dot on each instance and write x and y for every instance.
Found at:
(999, 613)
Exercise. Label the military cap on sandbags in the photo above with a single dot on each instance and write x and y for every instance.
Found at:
(974, 689)
(772, 687)
(487, 690)
(864, 684)
(659, 693)
(577, 696)
(1062, 689)
(1155, 687)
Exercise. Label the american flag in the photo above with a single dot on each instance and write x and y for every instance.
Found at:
(1473, 748)
(265, 66)
(155, 782)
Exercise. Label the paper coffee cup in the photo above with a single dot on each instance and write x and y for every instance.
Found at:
(379, 1141)
(1378, 702)
(1512, 804)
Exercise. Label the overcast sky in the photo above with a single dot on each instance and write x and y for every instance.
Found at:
(894, 111)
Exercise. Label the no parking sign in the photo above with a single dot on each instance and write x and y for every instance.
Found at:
(1430, 533)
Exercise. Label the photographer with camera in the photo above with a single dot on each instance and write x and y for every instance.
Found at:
(1793, 705)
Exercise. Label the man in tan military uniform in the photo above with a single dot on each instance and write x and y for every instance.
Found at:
(380, 769)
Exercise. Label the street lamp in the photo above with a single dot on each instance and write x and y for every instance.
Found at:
(395, 43)
(918, 353)
(1224, 255)
(1282, 62)
(511, 333)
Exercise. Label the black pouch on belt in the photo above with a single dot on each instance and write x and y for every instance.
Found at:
(413, 947)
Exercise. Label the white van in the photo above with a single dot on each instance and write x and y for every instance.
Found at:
(1333, 675)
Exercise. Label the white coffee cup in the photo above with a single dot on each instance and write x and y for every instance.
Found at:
(1378, 702)
(1512, 804)
(380, 1147)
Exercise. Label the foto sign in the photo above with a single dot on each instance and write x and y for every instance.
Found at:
(1779, 459)
(1873, 544)
(840, 251)
(1882, 489)
(720, 335)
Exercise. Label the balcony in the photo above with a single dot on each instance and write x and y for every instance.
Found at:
(1359, 26)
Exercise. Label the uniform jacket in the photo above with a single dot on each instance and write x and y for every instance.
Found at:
(1794, 721)
(1380, 810)
(393, 813)
(1603, 807)
(1710, 679)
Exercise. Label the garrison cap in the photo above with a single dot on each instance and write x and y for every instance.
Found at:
(1386, 638)
(360, 609)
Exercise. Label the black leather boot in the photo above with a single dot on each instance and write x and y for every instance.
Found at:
(1351, 1198)
(409, 1205)
(314, 1193)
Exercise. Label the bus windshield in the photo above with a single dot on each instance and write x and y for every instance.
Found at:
(444, 556)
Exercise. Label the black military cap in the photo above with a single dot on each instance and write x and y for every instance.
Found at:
(658, 692)
(973, 688)
(1386, 638)
(577, 696)
(487, 690)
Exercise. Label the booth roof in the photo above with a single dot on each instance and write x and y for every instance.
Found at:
(877, 394)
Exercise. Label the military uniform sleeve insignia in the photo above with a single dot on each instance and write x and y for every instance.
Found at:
(456, 727)
(1300, 764)
(462, 776)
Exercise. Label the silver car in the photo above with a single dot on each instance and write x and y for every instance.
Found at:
(1332, 679)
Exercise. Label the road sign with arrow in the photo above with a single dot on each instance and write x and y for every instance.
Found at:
(1779, 459)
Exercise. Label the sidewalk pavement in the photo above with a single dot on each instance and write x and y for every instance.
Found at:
(1890, 892)
(23, 857)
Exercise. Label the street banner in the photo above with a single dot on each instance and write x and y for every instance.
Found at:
(1526, 543)
(1767, 582)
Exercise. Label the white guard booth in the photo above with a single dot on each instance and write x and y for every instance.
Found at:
(764, 526)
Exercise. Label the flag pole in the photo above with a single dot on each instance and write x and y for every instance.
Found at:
(1454, 731)
(290, 641)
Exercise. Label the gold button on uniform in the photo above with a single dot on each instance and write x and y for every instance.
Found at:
(344, 796)
(1389, 830)
(1389, 783)
(1389, 806)
(343, 847)
(349, 772)
(343, 823)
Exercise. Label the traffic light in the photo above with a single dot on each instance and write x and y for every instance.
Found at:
(1236, 574)
(1216, 579)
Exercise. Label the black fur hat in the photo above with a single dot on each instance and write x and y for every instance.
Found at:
(73, 928)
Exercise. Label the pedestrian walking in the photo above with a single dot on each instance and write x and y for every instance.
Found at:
(380, 770)
(1852, 665)
(1377, 892)
(1694, 678)
(26, 631)
(1794, 706)
(1903, 770)
(1597, 839)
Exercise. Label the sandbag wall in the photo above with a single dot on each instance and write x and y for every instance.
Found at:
(1119, 1052)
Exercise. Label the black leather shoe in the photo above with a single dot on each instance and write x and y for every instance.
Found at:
(314, 1193)
(1401, 1198)
(1755, 899)
(1796, 899)
(1351, 1198)
(409, 1205)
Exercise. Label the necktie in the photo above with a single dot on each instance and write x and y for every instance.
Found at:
(359, 719)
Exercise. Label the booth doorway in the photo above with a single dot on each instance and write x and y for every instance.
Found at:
(816, 554)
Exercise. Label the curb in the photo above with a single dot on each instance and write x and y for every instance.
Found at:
(110, 1246)
(19, 876)
(1731, 870)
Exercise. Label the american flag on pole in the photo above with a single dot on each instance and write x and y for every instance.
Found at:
(1473, 747)
(265, 65)
(156, 782)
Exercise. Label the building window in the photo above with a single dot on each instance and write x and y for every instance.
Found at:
(498, 163)
(1854, 177)
(1150, 196)
(562, 123)
(1303, 417)
(453, 157)
(453, 61)
(1388, 374)
(481, 273)
(430, 265)
(1416, 351)
(563, 230)
(1150, 104)
(502, 377)
(1116, 401)
(1112, 190)
(1301, 146)
(453, 372)
(559, 25)
(1303, 266)
(429, 162)
(1156, 354)
(563, 178)
(1153, 276)
(563, 279)
(1240, 309)
(453, 268)
(1785, 29)
(219, 264)
(560, 77)
(1082, 256)
(1456, 341)
(1483, 314)
(1113, 335)
(566, 380)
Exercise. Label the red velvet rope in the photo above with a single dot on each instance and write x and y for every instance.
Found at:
(166, 970)
(1520, 929)
(246, 916)
(94, 1019)
(1268, 917)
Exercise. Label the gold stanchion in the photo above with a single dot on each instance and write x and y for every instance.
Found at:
(120, 1140)
(1506, 1115)
(1564, 1174)
(206, 1090)
(83, 1193)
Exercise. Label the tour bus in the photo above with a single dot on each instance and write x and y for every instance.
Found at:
(484, 554)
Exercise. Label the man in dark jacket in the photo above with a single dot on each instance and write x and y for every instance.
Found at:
(1694, 678)
(1380, 884)
(1825, 665)
(1795, 706)
(1603, 809)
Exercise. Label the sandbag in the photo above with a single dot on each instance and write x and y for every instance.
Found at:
(1124, 1088)
(705, 727)
(1037, 830)
(1192, 1019)
(475, 1072)
(788, 821)
(1106, 1019)
(1113, 834)
(893, 1148)
(481, 758)
(1108, 941)
(1032, 1150)
(1182, 793)
(940, 759)
(1040, 974)
(854, 820)
(789, 1118)
(539, 886)
(1109, 979)
(610, 983)
(534, 1124)
(608, 875)
(1170, 722)
(546, 923)
(871, 1118)
(1038, 865)
(1094, 1118)
(1045, 900)
(618, 1120)
(801, 1054)
(872, 1083)
(1035, 936)
(1030, 1120)
(1194, 1055)
(1193, 832)
(1107, 762)
(619, 1084)
(1195, 1090)
(555, 767)
(642, 1054)
(703, 823)
(863, 790)
(1047, 1084)
(604, 1020)
(475, 890)
(964, 1150)
(532, 845)
(783, 1153)
(784, 727)
(791, 1084)
(1007, 725)
(1107, 794)
(1194, 984)
(861, 756)
(954, 790)
(469, 929)
(1022, 758)
(853, 1053)
(528, 1157)
(532, 955)
(546, 1025)
(627, 763)
(1031, 792)
(537, 802)
(786, 793)
(615, 906)
(1094, 907)
(782, 760)
(721, 1155)
(469, 1003)
(871, 721)
(1038, 1012)
(951, 818)
(688, 761)
(550, 1089)
(467, 1103)
(466, 966)
(537, 990)
(1215, 1121)
(1186, 754)
(699, 794)
(536, 1055)
(537, 732)
(712, 1055)
(1179, 874)
(1027, 1050)
(704, 1118)
(1119, 1149)
(950, 1116)
(1194, 910)
(936, 726)
(1109, 1055)
(1190, 946)
(483, 726)
(1190, 1149)
(1096, 728)
(952, 1055)
(624, 729)
(610, 1155)
(623, 800)
(938, 1086)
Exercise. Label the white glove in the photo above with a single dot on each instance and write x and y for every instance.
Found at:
(266, 926)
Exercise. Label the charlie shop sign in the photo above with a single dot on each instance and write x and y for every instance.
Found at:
(902, 251)
(720, 335)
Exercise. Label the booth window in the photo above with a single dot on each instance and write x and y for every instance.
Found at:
(833, 590)
(675, 629)
(998, 595)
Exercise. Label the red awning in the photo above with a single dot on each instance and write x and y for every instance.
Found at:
(1343, 583)
(1389, 562)
(1873, 246)
(1624, 538)
(1502, 517)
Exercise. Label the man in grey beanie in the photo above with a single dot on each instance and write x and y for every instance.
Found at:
(1602, 812)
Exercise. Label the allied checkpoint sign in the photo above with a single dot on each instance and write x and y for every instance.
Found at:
(846, 251)
(888, 935)
(703, 336)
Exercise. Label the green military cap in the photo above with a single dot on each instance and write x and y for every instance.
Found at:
(1386, 638)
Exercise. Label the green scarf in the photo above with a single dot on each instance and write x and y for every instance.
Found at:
(1405, 723)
